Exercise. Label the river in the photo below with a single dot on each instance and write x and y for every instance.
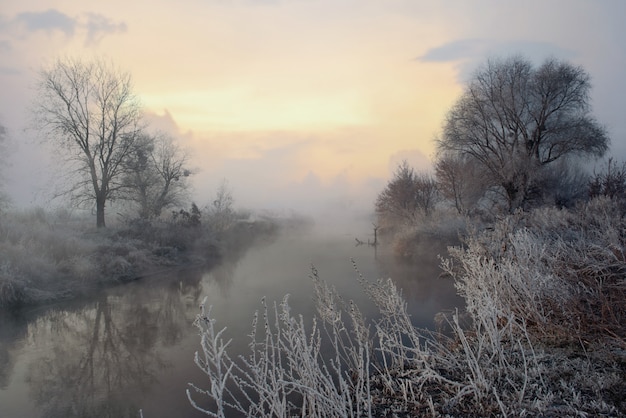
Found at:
(131, 347)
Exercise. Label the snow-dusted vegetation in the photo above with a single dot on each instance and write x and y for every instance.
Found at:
(47, 256)
(544, 334)
(562, 271)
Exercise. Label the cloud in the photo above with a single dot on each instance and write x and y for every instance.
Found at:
(472, 48)
(280, 177)
(163, 122)
(94, 26)
(470, 53)
(98, 26)
(9, 71)
(47, 21)
(455, 50)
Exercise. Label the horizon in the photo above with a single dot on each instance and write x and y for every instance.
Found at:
(299, 105)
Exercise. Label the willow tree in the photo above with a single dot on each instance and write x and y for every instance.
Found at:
(89, 109)
(514, 119)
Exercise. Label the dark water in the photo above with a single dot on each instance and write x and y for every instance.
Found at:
(131, 347)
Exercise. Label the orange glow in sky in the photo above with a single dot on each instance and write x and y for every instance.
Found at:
(336, 90)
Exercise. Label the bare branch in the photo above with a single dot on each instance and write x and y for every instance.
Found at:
(89, 108)
(514, 120)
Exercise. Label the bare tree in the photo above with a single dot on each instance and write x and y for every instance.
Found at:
(407, 195)
(156, 174)
(426, 193)
(460, 180)
(221, 212)
(90, 110)
(514, 119)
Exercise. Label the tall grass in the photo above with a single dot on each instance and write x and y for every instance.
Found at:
(543, 335)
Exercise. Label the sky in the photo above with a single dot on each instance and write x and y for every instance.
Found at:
(305, 105)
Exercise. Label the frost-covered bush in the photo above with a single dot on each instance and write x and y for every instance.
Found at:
(38, 255)
(562, 271)
(11, 288)
(45, 257)
(610, 182)
(434, 234)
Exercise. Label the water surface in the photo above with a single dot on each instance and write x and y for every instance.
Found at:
(131, 347)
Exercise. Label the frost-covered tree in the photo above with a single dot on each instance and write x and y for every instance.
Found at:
(460, 180)
(407, 196)
(156, 174)
(221, 212)
(89, 110)
(514, 119)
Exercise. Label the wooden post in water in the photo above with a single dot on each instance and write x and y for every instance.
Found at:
(375, 234)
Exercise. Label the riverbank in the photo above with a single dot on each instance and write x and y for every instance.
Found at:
(47, 258)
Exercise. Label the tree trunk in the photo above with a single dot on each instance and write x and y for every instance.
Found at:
(512, 195)
(100, 200)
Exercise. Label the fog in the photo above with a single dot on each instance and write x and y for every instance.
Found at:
(304, 109)
(312, 117)
(140, 335)
(268, 181)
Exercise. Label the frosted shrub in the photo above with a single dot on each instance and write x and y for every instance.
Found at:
(46, 260)
(553, 279)
(561, 271)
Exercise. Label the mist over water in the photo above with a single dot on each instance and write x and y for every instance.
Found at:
(131, 347)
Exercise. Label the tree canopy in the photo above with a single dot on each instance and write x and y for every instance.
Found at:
(407, 196)
(513, 119)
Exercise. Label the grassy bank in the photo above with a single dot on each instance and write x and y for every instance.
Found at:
(544, 334)
(47, 256)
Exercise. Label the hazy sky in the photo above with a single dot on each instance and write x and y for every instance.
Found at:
(299, 103)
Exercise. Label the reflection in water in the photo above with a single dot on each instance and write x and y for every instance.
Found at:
(12, 328)
(97, 361)
(106, 354)
(423, 286)
(132, 347)
(223, 275)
